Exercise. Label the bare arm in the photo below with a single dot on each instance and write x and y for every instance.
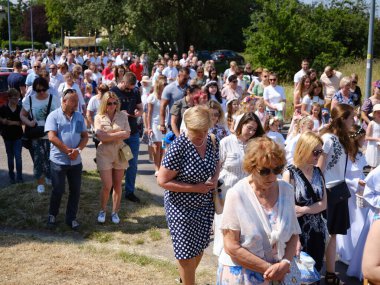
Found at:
(164, 104)
(166, 179)
(365, 117)
(149, 117)
(89, 116)
(371, 255)
(173, 123)
(334, 102)
(269, 105)
(24, 118)
(303, 110)
(242, 256)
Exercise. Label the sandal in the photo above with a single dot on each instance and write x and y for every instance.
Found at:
(332, 279)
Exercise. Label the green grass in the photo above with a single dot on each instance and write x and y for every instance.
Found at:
(155, 234)
(144, 260)
(101, 237)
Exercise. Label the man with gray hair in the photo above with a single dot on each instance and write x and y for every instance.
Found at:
(68, 135)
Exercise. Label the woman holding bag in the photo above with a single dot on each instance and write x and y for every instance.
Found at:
(111, 128)
(35, 109)
(333, 163)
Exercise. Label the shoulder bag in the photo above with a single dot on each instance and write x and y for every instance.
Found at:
(36, 131)
(339, 192)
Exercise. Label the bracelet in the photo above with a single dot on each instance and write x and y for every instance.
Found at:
(285, 260)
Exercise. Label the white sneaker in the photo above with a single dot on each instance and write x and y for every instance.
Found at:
(40, 188)
(102, 217)
(115, 218)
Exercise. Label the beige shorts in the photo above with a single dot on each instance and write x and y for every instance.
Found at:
(107, 157)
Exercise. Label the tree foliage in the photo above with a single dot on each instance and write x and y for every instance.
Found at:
(39, 21)
(282, 33)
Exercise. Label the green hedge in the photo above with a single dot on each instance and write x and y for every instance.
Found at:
(22, 45)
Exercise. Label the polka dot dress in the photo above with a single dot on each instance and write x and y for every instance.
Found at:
(190, 215)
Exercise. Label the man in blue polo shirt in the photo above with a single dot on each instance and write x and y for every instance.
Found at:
(68, 136)
(173, 92)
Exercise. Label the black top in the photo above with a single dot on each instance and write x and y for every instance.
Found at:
(16, 80)
(11, 132)
(129, 101)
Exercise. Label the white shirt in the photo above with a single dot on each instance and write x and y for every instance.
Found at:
(309, 101)
(298, 75)
(56, 80)
(335, 161)
(274, 95)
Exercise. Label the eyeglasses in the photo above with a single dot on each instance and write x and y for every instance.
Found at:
(36, 67)
(112, 103)
(51, 68)
(317, 153)
(266, 171)
(354, 82)
(234, 81)
(272, 79)
(200, 72)
(41, 90)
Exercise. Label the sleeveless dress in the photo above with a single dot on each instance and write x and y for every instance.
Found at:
(313, 226)
(372, 154)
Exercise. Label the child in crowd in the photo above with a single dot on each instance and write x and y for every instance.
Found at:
(373, 138)
(88, 93)
(232, 109)
(272, 130)
(248, 104)
(260, 111)
(12, 133)
(316, 116)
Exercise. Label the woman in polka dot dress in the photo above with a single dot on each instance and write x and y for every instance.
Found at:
(189, 173)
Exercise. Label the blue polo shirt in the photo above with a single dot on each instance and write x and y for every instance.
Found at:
(68, 131)
(173, 92)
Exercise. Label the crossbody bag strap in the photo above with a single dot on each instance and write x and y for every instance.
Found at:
(345, 167)
(30, 108)
(49, 106)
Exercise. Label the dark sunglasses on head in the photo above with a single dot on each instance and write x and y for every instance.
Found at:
(317, 152)
(41, 90)
(112, 103)
(266, 171)
(67, 91)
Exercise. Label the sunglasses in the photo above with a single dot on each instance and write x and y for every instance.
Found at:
(266, 171)
(112, 103)
(37, 67)
(355, 82)
(234, 81)
(317, 153)
(272, 79)
(67, 91)
(41, 90)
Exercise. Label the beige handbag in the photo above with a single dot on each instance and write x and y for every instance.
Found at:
(125, 153)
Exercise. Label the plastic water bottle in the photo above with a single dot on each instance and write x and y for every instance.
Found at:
(163, 143)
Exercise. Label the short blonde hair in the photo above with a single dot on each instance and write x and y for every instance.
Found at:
(103, 102)
(305, 145)
(198, 119)
(263, 152)
(344, 81)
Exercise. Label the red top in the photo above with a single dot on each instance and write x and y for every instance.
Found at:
(137, 70)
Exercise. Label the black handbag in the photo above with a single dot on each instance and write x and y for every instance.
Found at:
(340, 192)
(36, 131)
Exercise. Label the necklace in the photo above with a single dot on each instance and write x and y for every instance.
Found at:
(200, 144)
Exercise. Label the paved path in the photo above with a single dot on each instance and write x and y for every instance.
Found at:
(145, 178)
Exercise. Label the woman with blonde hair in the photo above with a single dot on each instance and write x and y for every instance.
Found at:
(111, 128)
(153, 122)
(310, 195)
(189, 174)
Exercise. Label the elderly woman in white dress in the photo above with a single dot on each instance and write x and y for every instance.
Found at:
(259, 224)
(231, 155)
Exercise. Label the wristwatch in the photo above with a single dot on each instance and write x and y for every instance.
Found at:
(79, 150)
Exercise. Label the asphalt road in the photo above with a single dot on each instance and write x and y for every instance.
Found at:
(145, 178)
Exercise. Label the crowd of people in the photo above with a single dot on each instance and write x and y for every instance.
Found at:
(213, 139)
